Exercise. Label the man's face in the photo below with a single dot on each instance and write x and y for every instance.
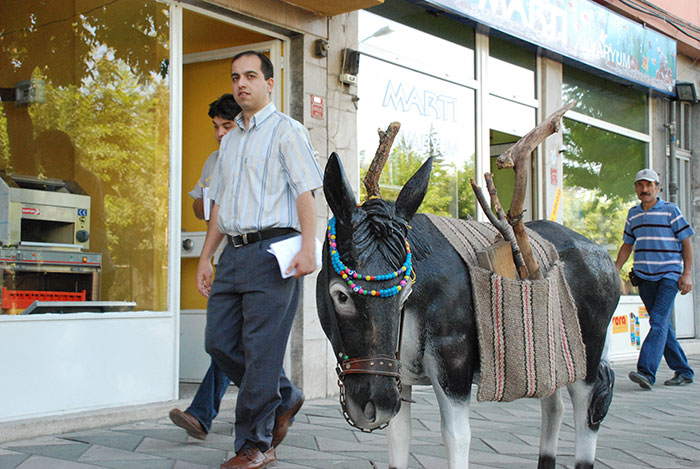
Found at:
(646, 191)
(222, 127)
(250, 89)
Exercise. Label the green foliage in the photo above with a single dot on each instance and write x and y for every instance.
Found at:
(599, 169)
(106, 87)
(449, 192)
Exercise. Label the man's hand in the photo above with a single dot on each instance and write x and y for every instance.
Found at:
(685, 283)
(304, 261)
(205, 272)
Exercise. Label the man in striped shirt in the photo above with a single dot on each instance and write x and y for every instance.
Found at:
(663, 256)
(263, 192)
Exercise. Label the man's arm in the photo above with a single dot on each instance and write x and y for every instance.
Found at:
(305, 260)
(623, 255)
(205, 271)
(198, 207)
(685, 283)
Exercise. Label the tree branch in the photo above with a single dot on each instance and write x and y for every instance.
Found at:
(518, 158)
(500, 222)
(507, 231)
(386, 140)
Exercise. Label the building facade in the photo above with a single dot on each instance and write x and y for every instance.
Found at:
(468, 79)
(113, 95)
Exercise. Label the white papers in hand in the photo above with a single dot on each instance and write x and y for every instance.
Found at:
(285, 251)
(207, 203)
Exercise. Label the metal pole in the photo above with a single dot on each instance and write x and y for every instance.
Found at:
(672, 185)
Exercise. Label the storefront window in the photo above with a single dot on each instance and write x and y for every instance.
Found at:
(511, 109)
(599, 165)
(97, 115)
(606, 100)
(511, 70)
(420, 85)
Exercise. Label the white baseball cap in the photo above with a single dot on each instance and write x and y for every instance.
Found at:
(647, 175)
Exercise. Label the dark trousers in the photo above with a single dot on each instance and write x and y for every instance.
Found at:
(249, 317)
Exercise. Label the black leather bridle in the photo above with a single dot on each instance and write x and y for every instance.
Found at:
(381, 365)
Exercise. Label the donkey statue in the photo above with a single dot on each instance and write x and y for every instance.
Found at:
(430, 323)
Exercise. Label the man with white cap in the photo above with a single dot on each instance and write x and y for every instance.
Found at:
(663, 256)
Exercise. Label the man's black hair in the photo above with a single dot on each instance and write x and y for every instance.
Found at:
(225, 107)
(265, 64)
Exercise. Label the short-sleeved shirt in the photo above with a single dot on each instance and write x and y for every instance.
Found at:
(261, 172)
(205, 178)
(656, 235)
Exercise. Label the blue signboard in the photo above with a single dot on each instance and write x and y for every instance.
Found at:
(583, 31)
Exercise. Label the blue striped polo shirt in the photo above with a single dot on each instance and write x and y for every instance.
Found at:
(656, 235)
(261, 171)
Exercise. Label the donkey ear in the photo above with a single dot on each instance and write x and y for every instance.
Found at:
(413, 192)
(337, 189)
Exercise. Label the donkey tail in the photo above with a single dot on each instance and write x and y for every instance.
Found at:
(601, 395)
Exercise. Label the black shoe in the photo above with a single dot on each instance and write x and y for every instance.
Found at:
(678, 380)
(640, 379)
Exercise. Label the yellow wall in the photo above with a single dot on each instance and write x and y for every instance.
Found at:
(203, 83)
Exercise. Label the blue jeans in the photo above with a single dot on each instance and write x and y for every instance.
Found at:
(205, 405)
(661, 341)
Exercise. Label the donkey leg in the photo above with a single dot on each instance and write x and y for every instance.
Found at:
(552, 414)
(398, 432)
(454, 425)
(586, 437)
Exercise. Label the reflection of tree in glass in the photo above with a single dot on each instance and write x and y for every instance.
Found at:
(605, 99)
(599, 169)
(105, 72)
(449, 194)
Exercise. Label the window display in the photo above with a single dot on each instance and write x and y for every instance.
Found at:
(85, 103)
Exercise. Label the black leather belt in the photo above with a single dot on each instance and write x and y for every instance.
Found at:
(255, 236)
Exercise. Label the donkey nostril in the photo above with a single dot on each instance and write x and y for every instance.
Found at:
(370, 411)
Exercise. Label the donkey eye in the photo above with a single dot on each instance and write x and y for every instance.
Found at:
(342, 299)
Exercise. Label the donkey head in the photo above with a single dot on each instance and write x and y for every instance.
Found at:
(362, 289)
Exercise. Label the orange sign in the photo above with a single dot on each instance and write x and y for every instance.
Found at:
(620, 324)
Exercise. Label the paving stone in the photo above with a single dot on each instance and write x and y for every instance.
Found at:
(175, 434)
(144, 464)
(98, 453)
(68, 452)
(300, 441)
(10, 459)
(107, 438)
(41, 462)
(190, 465)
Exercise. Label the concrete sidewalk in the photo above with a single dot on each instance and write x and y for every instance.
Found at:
(658, 428)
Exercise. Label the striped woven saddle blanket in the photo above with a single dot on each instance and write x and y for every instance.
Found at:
(529, 335)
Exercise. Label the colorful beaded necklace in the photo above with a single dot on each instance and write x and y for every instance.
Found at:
(350, 276)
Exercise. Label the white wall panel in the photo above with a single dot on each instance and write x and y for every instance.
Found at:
(59, 363)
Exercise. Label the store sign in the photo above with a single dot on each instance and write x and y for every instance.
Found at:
(427, 103)
(583, 31)
(30, 211)
(620, 324)
(434, 114)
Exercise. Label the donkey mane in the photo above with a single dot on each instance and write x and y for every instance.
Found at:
(378, 229)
